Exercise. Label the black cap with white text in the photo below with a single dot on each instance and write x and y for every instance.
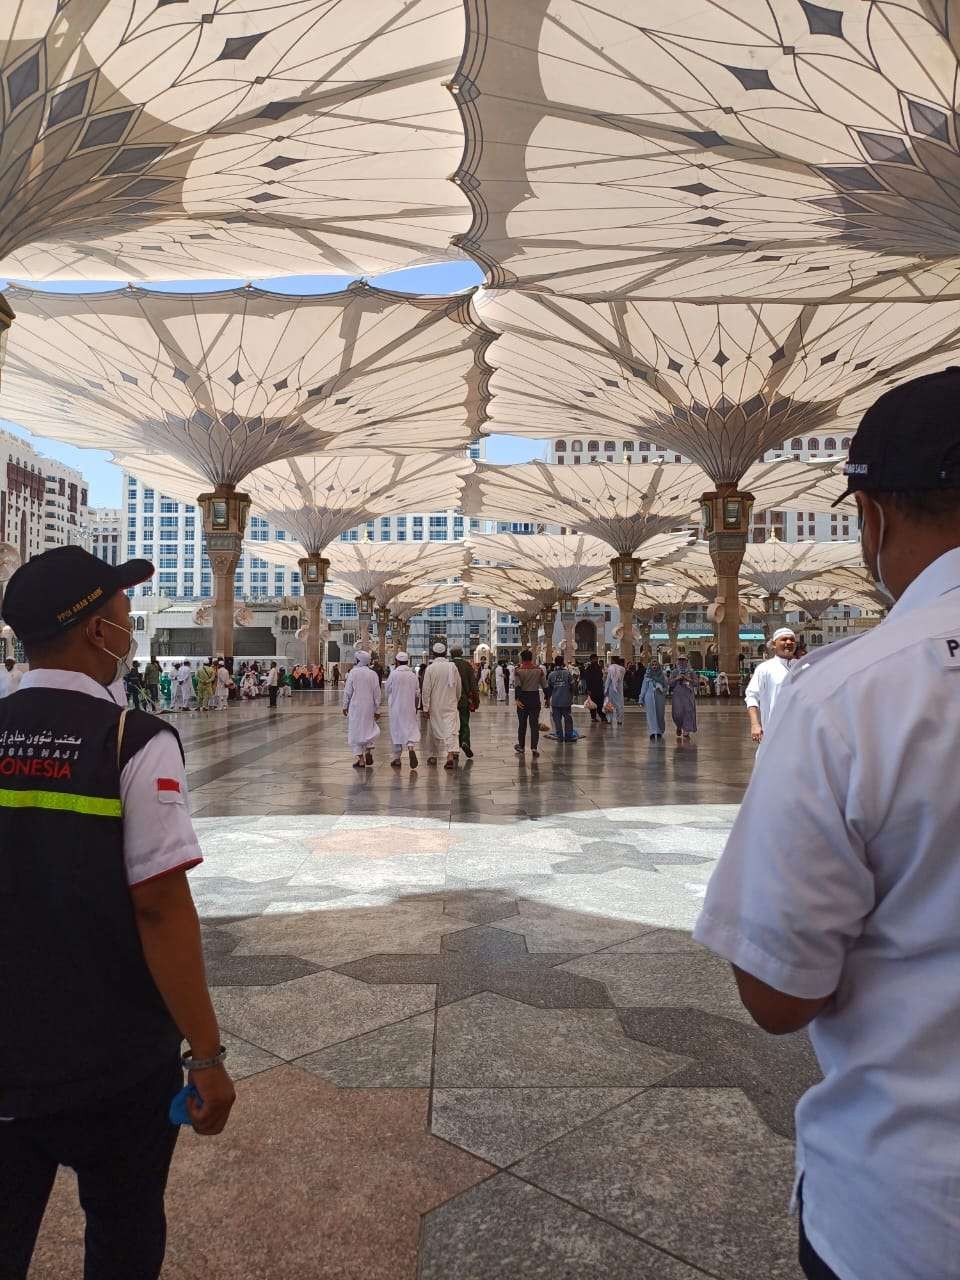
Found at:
(51, 592)
(908, 441)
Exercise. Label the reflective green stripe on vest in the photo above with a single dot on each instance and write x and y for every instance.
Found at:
(97, 806)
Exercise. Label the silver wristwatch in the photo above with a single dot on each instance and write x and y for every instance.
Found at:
(201, 1064)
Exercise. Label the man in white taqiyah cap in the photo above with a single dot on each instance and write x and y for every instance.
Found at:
(761, 695)
(361, 706)
(403, 693)
(439, 700)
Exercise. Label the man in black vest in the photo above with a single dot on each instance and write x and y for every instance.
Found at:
(101, 971)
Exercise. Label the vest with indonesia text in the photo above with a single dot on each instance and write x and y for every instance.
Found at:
(82, 1017)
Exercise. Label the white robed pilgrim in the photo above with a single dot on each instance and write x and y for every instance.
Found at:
(361, 706)
(403, 689)
(439, 698)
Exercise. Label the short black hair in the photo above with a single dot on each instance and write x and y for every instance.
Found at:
(526, 655)
(925, 506)
(558, 660)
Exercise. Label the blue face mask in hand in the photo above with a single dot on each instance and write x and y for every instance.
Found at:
(179, 1113)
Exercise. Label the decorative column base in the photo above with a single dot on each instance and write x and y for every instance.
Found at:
(224, 524)
(726, 519)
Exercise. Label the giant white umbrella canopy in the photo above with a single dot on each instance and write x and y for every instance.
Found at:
(159, 141)
(720, 384)
(713, 149)
(773, 566)
(626, 505)
(233, 380)
(375, 573)
(816, 595)
(315, 498)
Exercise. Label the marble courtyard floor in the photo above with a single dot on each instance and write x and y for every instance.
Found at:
(472, 1037)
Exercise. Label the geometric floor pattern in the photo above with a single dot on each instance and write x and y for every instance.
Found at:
(472, 1036)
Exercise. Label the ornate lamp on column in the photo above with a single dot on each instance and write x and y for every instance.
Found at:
(224, 524)
(365, 612)
(626, 575)
(314, 572)
(726, 516)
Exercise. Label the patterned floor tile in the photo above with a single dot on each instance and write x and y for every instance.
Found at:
(505, 1229)
(672, 979)
(399, 1056)
(695, 1171)
(486, 959)
(503, 1125)
(773, 1071)
(295, 1018)
(488, 1041)
(307, 1182)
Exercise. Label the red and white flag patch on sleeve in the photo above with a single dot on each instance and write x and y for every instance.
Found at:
(169, 791)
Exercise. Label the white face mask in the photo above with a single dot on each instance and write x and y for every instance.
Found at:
(124, 661)
(878, 575)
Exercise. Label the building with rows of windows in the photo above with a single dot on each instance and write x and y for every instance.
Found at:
(43, 502)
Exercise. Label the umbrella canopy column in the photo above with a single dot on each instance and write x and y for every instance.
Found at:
(626, 573)
(726, 521)
(774, 614)
(568, 617)
(224, 522)
(672, 619)
(401, 632)
(314, 572)
(365, 608)
(548, 617)
(383, 621)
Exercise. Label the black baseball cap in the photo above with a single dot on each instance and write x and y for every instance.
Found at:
(51, 592)
(909, 439)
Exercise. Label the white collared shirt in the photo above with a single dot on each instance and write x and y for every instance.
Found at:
(158, 836)
(765, 685)
(842, 874)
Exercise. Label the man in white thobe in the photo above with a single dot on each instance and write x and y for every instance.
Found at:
(361, 706)
(765, 683)
(403, 693)
(439, 700)
(221, 690)
(182, 687)
(9, 678)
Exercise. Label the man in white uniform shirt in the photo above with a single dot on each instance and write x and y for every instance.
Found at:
(836, 897)
(761, 695)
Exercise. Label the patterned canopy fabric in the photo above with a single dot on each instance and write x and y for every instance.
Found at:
(161, 141)
(382, 570)
(721, 385)
(713, 149)
(626, 506)
(572, 563)
(234, 380)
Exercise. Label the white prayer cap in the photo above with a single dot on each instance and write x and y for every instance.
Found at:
(402, 657)
(783, 631)
(439, 647)
(363, 659)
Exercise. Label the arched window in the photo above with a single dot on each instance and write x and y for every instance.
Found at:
(830, 444)
(845, 442)
(561, 446)
(593, 446)
(577, 446)
(796, 444)
(609, 446)
(813, 446)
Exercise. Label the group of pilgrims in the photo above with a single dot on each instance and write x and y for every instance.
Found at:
(429, 708)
